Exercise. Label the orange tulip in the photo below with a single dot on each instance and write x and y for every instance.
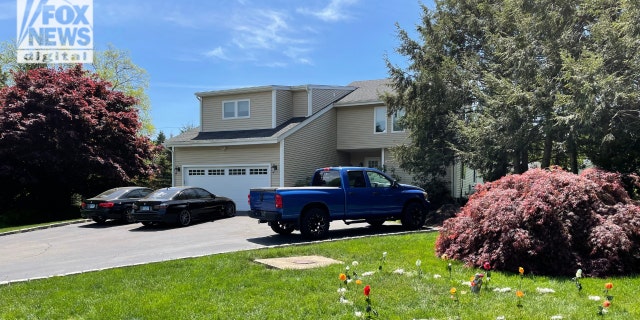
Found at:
(608, 285)
(606, 304)
(343, 277)
(519, 294)
(521, 270)
(358, 282)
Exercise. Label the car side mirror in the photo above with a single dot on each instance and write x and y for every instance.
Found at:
(394, 184)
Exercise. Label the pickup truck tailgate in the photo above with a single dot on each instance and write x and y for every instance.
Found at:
(262, 199)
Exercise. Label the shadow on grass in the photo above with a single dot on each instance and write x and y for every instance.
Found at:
(337, 234)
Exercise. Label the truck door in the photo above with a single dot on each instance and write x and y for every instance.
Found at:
(384, 197)
(358, 195)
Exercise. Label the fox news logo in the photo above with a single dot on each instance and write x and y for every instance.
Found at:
(55, 31)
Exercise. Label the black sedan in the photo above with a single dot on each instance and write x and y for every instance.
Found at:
(116, 203)
(181, 205)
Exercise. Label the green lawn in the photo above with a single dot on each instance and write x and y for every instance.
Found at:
(233, 286)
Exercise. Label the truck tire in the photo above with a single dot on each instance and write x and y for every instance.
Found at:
(414, 215)
(314, 223)
(282, 228)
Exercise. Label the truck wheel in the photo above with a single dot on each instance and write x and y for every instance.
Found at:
(282, 228)
(184, 218)
(414, 216)
(314, 223)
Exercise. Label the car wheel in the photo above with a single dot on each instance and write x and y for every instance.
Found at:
(229, 210)
(184, 218)
(127, 215)
(414, 216)
(99, 220)
(314, 223)
(282, 228)
(376, 222)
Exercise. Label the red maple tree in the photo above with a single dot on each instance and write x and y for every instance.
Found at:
(65, 131)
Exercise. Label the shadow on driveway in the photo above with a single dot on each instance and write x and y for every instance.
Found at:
(337, 234)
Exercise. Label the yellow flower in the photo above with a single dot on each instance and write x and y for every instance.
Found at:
(358, 282)
(519, 294)
(343, 277)
(453, 291)
(521, 270)
(471, 279)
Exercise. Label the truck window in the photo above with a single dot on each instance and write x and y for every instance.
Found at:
(378, 181)
(356, 179)
(326, 179)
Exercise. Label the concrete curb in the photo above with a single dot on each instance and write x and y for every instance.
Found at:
(53, 225)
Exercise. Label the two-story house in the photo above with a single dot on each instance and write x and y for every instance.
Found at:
(277, 135)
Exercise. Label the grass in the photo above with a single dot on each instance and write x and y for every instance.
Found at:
(233, 286)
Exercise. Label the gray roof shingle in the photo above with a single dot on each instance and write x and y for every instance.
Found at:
(367, 91)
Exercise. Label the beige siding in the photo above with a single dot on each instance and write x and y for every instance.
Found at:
(463, 180)
(312, 147)
(356, 131)
(321, 98)
(234, 155)
(284, 106)
(259, 110)
(300, 104)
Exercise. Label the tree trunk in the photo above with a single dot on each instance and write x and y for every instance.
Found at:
(546, 153)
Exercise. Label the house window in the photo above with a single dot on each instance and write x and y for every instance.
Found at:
(258, 171)
(216, 172)
(235, 109)
(237, 172)
(196, 172)
(397, 116)
(380, 120)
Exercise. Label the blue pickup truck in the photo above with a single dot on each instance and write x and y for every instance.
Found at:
(352, 194)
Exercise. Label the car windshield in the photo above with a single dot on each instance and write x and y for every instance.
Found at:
(112, 193)
(163, 194)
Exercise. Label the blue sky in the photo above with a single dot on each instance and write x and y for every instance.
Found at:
(190, 46)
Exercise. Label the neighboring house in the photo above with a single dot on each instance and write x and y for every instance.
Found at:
(273, 136)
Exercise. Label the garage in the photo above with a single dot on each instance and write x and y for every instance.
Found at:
(232, 182)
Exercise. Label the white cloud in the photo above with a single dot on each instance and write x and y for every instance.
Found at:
(334, 11)
(217, 53)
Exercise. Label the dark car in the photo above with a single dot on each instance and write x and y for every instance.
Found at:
(116, 203)
(181, 205)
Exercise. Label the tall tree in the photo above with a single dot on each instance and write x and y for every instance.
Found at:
(64, 132)
(115, 65)
(518, 81)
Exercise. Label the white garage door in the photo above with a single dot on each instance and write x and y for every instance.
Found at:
(231, 182)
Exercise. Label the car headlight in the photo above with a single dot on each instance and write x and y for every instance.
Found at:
(426, 195)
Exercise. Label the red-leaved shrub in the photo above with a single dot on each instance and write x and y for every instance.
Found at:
(550, 222)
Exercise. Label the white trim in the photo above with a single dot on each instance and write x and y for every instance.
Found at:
(282, 165)
(309, 101)
(273, 108)
(359, 103)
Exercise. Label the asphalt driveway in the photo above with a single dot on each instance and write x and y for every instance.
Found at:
(87, 246)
